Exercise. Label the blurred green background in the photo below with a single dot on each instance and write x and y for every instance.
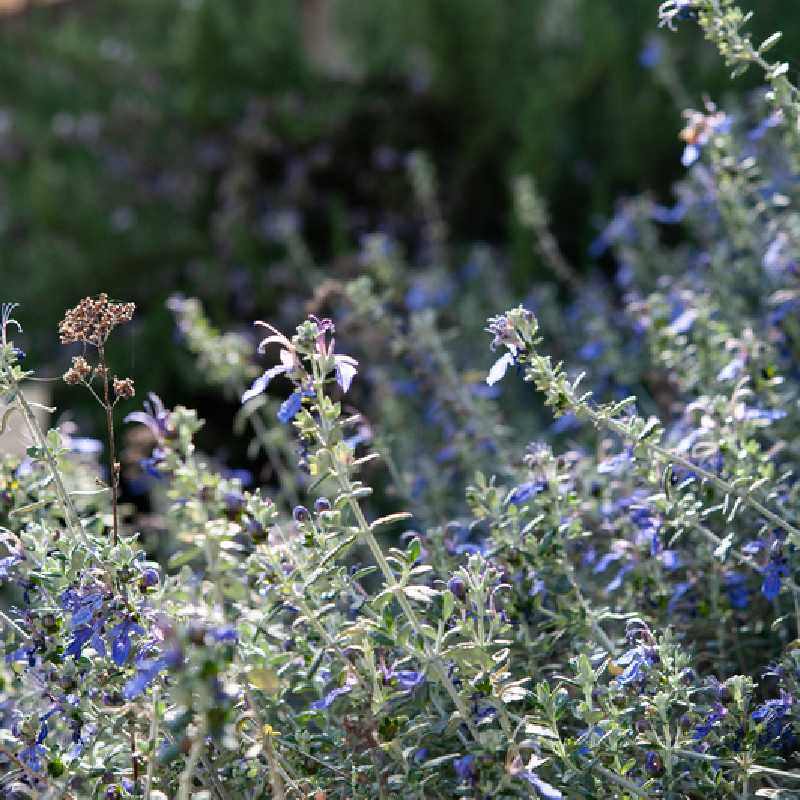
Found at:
(154, 146)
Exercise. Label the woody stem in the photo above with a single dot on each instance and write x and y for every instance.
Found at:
(111, 444)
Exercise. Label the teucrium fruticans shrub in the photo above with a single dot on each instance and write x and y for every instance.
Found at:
(418, 603)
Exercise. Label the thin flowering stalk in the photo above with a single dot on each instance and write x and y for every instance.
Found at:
(559, 392)
(340, 474)
(89, 324)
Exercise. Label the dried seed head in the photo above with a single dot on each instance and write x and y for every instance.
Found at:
(72, 376)
(82, 366)
(123, 388)
(93, 319)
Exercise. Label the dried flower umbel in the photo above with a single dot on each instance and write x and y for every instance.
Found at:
(90, 323)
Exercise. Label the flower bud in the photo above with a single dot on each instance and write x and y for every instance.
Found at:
(322, 504)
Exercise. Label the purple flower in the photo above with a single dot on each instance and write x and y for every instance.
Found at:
(155, 417)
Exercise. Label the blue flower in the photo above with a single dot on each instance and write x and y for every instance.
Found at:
(260, 384)
(121, 641)
(770, 121)
(465, 768)
(771, 715)
(636, 661)
(543, 789)
(564, 423)
(32, 756)
(666, 215)
(226, 634)
(614, 464)
(7, 564)
(409, 679)
(736, 589)
(616, 582)
(147, 671)
(731, 371)
(680, 590)
(603, 564)
(592, 350)
(773, 573)
(653, 763)
(773, 709)
(764, 414)
(650, 55)
(704, 728)
(327, 700)
(524, 492)
(426, 295)
(289, 407)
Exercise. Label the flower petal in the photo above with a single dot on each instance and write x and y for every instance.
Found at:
(499, 368)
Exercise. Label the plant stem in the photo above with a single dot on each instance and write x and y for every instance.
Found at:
(185, 781)
(620, 781)
(369, 539)
(341, 474)
(151, 761)
(107, 404)
(70, 514)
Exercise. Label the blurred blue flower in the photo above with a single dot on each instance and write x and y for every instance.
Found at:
(736, 589)
(650, 55)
